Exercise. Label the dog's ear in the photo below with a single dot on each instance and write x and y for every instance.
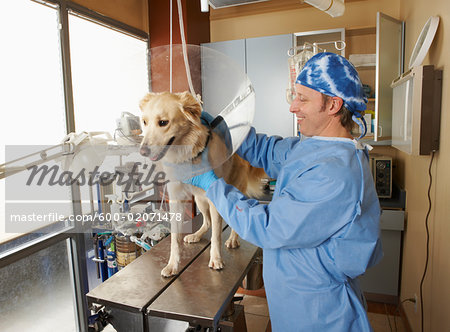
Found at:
(191, 107)
(146, 99)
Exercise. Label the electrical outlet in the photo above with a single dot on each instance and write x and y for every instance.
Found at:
(415, 303)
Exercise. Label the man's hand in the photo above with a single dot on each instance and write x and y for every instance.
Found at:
(203, 181)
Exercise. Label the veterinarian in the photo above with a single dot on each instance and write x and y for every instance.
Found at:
(321, 229)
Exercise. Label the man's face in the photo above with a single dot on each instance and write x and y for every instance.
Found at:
(310, 110)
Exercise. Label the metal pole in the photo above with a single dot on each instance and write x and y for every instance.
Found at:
(67, 73)
(78, 266)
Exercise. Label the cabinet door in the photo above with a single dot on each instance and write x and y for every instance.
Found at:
(217, 91)
(389, 65)
(381, 282)
(267, 68)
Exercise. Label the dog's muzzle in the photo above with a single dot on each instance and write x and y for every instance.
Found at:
(144, 151)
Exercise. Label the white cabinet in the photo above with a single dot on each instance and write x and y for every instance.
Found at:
(235, 49)
(331, 40)
(268, 70)
(385, 41)
(264, 59)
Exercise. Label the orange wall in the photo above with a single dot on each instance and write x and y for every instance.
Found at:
(414, 175)
(196, 23)
(306, 18)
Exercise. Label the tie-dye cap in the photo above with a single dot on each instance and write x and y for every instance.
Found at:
(335, 76)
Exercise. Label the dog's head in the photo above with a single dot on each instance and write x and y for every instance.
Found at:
(171, 119)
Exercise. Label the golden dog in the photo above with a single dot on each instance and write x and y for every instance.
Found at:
(173, 120)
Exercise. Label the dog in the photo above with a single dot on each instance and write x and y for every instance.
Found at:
(174, 119)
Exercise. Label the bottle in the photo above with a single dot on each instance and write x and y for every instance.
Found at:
(111, 261)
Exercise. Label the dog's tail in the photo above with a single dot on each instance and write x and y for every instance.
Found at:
(254, 186)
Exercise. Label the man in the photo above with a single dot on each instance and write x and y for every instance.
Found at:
(321, 229)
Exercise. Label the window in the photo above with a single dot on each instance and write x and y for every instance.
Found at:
(32, 100)
(36, 292)
(31, 82)
(108, 73)
(109, 76)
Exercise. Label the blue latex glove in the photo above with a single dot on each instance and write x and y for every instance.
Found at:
(206, 118)
(204, 180)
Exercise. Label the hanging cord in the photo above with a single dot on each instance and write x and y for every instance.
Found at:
(428, 241)
(183, 44)
(170, 49)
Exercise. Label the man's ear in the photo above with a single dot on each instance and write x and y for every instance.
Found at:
(334, 105)
(190, 106)
(146, 100)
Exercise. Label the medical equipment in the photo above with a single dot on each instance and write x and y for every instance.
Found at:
(111, 262)
(140, 243)
(296, 61)
(126, 250)
(381, 167)
(128, 129)
(121, 186)
(299, 56)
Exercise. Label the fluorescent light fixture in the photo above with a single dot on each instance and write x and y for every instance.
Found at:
(204, 6)
(218, 4)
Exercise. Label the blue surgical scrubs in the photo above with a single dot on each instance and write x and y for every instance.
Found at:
(318, 234)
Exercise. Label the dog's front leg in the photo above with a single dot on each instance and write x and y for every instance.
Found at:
(172, 267)
(176, 228)
(203, 205)
(215, 260)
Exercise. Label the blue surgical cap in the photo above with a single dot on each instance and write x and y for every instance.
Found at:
(335, 76)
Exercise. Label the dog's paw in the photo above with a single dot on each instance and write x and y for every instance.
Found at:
(216, 263)
(232, 243)
(191, 238)
(169, 270)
